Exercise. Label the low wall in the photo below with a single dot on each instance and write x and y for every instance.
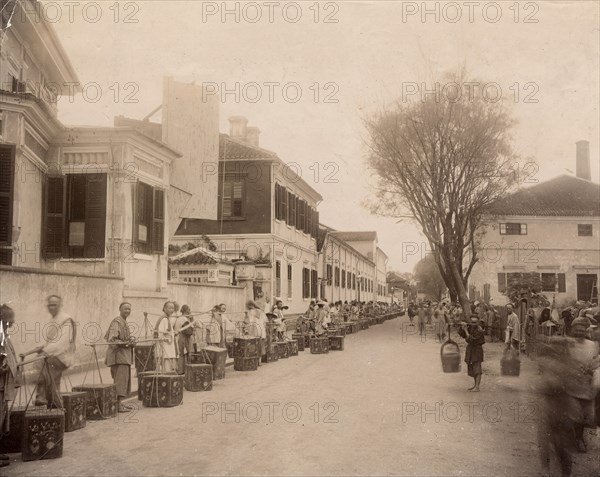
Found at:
(93, 301)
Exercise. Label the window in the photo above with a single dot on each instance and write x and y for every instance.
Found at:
(149, 220)
(313, 283)
(278, 278)
(584, 230)
(353, 281)
(7, 174)
(549, 282)
(513, 229)
(289, 281)
(232, 200)
(305, 283)
(349, 279)
(337, 276)
(309, 218)
(74, 216)
(329, 274)
(343, 279)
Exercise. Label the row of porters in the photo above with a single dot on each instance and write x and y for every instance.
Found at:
(37, 432)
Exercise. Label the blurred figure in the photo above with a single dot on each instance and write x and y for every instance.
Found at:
(421, 319)
(8, 373)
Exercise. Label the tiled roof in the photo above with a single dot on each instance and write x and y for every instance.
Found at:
(356, 236)
(231, 149)
(562, 196)
(196, 256)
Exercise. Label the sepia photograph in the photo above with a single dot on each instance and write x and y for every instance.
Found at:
(303, 238)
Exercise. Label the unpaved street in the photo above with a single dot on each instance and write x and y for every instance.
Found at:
(381, 407)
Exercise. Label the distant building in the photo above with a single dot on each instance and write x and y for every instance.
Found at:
(353, 267)
(265, 212)
(200, 265)
(552, 230)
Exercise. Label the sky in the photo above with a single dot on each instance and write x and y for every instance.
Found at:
(348, 60)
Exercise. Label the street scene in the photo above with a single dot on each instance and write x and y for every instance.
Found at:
(299, 238)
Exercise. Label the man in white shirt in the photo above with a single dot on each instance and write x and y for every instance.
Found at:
(60, 352)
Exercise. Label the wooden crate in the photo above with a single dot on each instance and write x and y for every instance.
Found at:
(336, 343)
(11, 442)
(43, 432)
(75, 410)
(162, 390)
(282, 349)
(299, 337)
(246, 347)
(198, 377)
(101, 400)
(271, 355)
(319, 345)
(144, 357)
(245, 364)
(215, 356)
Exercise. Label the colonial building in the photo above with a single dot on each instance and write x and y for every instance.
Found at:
(93, 200)
(352, 266)
(200, 265)
(266, 212)
(551, 230)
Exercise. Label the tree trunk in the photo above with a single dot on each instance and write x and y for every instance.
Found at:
(461, 289)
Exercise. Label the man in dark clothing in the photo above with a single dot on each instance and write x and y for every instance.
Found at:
(119, 354)
(473, 335)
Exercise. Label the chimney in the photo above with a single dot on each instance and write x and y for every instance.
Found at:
(582, 165)
(237, 127)
(252, 134)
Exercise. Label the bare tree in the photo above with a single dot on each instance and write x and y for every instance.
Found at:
(441, 161)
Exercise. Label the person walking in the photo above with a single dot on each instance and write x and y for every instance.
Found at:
(473, 335)
(421, 319)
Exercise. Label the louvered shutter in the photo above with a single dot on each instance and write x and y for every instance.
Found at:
(7, 174)
(277, 211)
(562, 283)
(95, 215)
(158, 222)
(54, 216)
(502, 282)
(284, 204)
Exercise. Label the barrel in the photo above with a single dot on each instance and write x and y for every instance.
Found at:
(510, 364)
(450, 354)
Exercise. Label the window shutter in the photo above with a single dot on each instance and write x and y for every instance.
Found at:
(284, 204)
(292, 209)
(7, 174)
(54, 216)
(502, 282)
(95, 216)
(277, 214)
(298, 212)
(158, 222)
(143, 218)
(562, 283)
(316, 226)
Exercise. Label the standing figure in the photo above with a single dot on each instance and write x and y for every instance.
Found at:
(8, 373)
(255, 325)
(440, 324)
(167, 351)
(321, 319)
(60, 351)
(184, 332)
(119, 356)
(218, 327)
(513, 329)
(473, 335)
(279, 320)
(421, 319)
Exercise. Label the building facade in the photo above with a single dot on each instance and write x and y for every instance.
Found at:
(266, 214)
(551, 230)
